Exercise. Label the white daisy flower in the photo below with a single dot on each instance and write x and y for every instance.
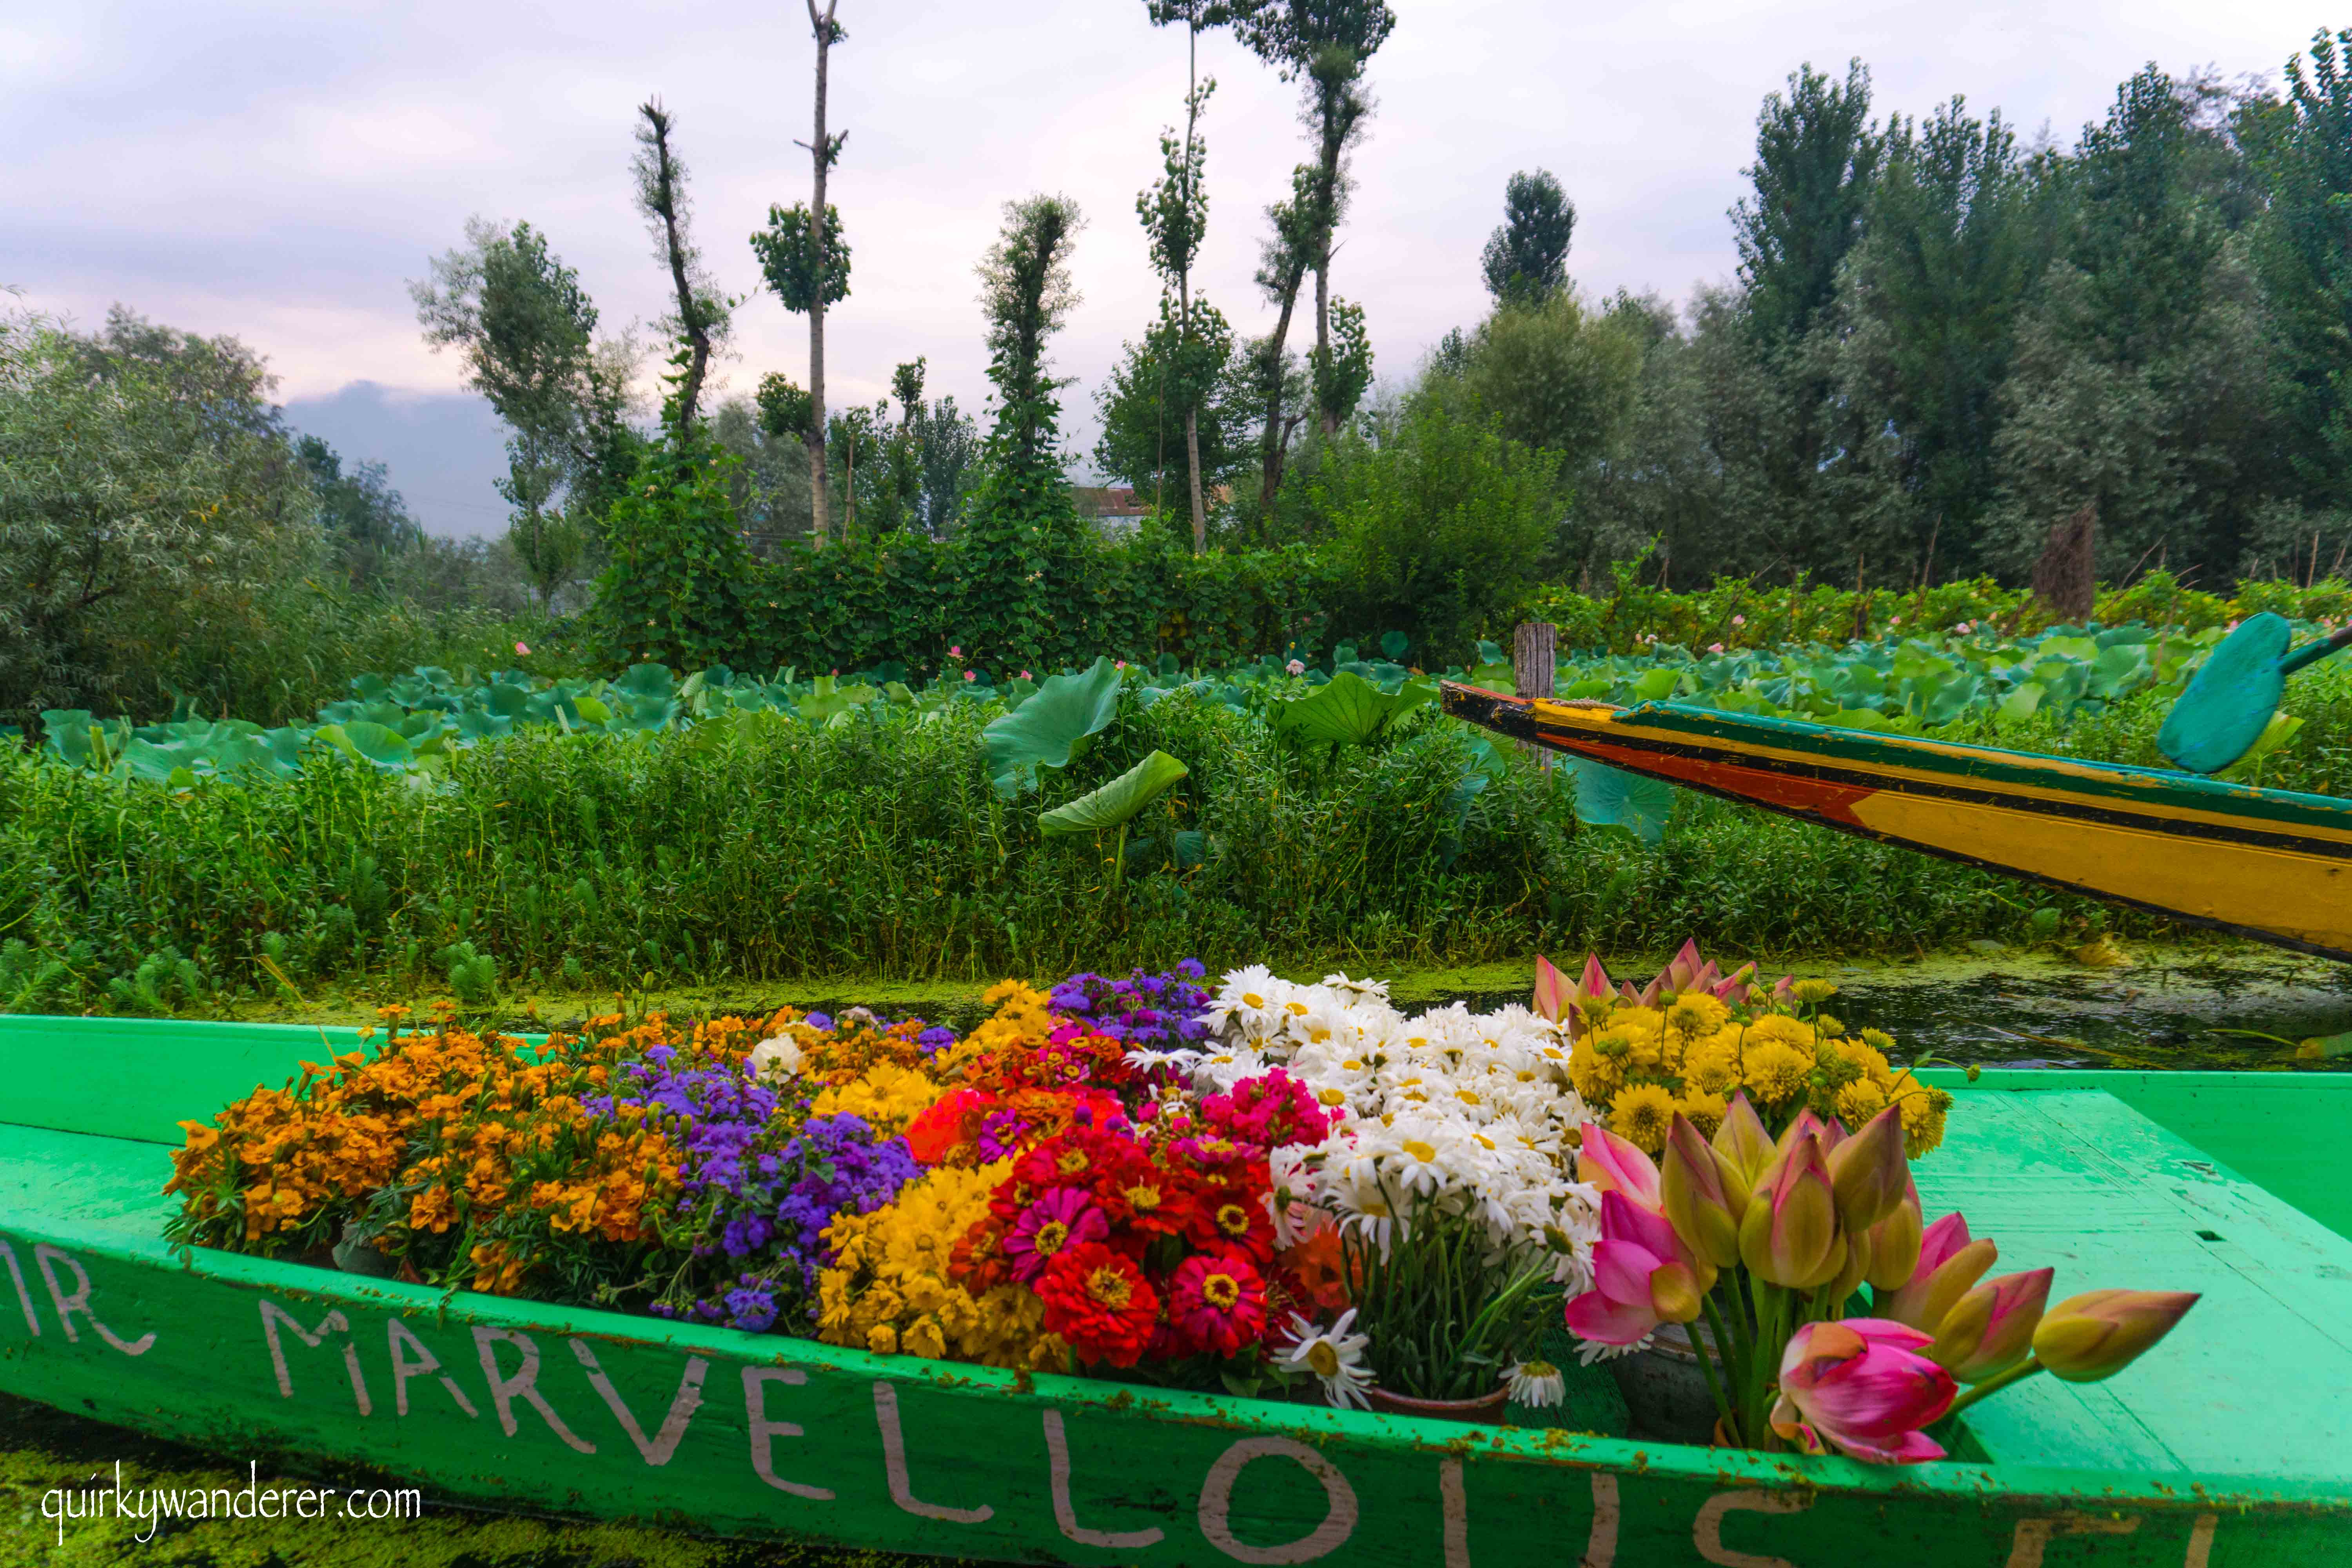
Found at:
(1537, 1383)
(1334, 1356)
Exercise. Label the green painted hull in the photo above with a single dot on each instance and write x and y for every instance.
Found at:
(2230, 1447)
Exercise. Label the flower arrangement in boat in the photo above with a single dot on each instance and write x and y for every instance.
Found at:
(1771, 1243)
(1247, 1186)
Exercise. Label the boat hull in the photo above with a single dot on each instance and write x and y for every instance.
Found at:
(584, 1413)
(2273, 864)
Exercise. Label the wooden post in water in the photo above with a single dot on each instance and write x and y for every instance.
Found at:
(1534, 658)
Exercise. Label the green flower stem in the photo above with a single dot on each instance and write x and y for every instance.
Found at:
(2017, 1374)
(1731, 1423)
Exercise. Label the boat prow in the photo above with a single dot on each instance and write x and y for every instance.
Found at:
(2274, 865)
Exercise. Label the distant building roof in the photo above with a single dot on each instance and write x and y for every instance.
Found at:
(1108, 500)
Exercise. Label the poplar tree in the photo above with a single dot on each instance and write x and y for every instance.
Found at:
(1526, 259)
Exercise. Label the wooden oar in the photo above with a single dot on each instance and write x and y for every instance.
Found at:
(2229, 701)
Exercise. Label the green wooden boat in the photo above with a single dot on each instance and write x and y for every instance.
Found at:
(2228, 1446)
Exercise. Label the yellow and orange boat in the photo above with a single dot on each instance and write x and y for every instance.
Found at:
(2270, 864)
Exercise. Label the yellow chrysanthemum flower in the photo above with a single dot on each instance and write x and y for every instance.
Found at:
(1923, 1116)
(1860, 1101)
(1642, 1114)
(1775, 1072)
(1704, 1109)
(1597, 1075)
(1711, 1066)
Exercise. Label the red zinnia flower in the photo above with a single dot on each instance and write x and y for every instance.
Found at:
(1220, 1300)
(1100, 1302)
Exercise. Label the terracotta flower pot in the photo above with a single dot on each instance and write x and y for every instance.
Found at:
(1485, 1408)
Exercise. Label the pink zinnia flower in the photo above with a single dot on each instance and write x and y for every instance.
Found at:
(1052, 1225)
(1862, 1383)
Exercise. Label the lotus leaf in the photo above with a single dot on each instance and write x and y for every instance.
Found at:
(1349, 712)
(1115, 803)
(1608, 797)
(1052, 728)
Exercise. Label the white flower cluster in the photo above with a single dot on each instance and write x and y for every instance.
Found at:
(1449, 1112)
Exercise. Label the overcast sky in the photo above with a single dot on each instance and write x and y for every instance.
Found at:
(277, 171)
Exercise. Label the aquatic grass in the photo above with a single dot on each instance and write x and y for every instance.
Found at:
(766, 849)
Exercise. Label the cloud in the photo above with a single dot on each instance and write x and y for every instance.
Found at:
(441, 450)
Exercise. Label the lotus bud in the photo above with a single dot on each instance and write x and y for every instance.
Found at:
(1703, 1195)
(1743, 1142)
(1675, 1294)
(1991, 1329)
(1895, 1243)
(1857, 1269)
(1829, 1133)
(2100, 1332)
(1869, 1173)
(1949, 1263)
(1551, 994)
(1613, 1164)
(1789, 1235)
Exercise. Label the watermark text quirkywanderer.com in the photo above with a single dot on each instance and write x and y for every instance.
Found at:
(152, 1506)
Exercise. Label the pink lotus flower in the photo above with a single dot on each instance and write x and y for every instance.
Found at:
(523, 651)
(1296, 667)
(955, 651)
(1024, 675)
(1739, 620)
(969, 674)
(1964, 627)
(1715, 648)
(1614, 1165)
(1949, 1264)
(1860, 1384)
(1643, 1276)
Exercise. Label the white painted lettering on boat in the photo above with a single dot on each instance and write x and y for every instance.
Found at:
(682, 1404)
(524, 1383)
(1065, 1512)
(334, 1322)
(1707, 1533)
(1453, 1503)
(1217, 1502)
(2032, 1537)
(764, 1431)
(1601, 1546)
(894, 1464)
(397, 1335)
(24, 1297)
(2201, 1541)
(48, 1256)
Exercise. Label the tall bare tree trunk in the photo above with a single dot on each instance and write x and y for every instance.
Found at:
(1185, 284)
(821, 154)
(1325, 416)
(1193, 457)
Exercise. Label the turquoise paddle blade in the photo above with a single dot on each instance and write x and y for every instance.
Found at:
(2231, 699)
